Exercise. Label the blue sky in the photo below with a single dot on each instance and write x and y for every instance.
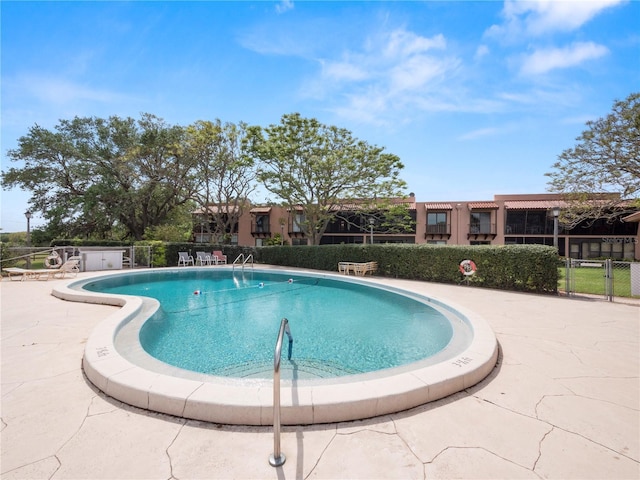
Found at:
(476, 98)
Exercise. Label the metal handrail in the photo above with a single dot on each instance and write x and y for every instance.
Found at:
(277, 458)
(241, 256)
(244, 260)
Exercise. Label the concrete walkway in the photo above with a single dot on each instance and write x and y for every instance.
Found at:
(562, 403)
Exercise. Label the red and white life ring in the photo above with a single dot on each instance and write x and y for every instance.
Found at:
(53, 260)
(467, 267)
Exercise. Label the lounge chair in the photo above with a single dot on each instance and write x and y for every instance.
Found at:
(364, 268)
(185, 259)
(345, 267)
(218, 257)
(70, 267)
(357, 268)
(203, 258)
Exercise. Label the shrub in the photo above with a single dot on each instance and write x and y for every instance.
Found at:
(530, 268)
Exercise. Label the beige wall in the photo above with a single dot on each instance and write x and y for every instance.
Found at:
(459, 218)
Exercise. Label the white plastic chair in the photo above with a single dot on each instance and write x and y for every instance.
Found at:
(203, 258)
(185, 259)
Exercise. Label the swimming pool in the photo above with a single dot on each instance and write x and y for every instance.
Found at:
(115, 362)
(223, 323)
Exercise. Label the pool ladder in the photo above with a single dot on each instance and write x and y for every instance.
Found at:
(243, 260)
(277, 458)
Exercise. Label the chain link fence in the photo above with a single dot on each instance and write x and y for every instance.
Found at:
(602, 278)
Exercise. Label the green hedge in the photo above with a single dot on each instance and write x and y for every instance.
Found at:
(527, 268)
(531, 268)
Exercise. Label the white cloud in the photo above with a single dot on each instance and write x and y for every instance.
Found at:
(344, 71)
(367, 106)
(481, 133)
(540, 17)
(61, 91)
(391, 72)
(545, 60)
(419, 71)
(52, 90)
(553, 15)
(481, 51)
(404, 44)
(44, 99)
(284, 6)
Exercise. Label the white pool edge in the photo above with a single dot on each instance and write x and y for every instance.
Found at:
(252, 404)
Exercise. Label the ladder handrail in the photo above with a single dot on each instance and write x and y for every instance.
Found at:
(241, 256)
(244, 260)
(277, 458)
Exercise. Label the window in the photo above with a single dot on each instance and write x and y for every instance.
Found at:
(529, 222)
(602, 248)
(480, 223)
(298, 220)
(262, 224)
(437, 223)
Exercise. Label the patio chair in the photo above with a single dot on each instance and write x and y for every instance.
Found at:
(185, 259)
(203, 258)
(218, 257)
(345, 267)
(70, 267)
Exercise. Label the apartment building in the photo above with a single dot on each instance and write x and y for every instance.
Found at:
(505, 220)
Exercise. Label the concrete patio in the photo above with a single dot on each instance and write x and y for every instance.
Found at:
(563, 403)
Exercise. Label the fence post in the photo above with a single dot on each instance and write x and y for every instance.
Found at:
(608, 279)
(635, 278)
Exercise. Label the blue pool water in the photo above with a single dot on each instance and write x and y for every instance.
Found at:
(225, 323)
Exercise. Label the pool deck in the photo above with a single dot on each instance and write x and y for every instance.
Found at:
(563, 403)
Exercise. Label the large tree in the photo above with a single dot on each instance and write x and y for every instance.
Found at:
(225, 176)
(91, 176)
(606, 159)
(320, 170)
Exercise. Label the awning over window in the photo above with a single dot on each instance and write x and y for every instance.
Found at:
(483, 206)
(260, 210)
(534, 204)
(634, 217)
(438, 206)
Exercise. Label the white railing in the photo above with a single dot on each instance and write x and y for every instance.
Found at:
(277, 458)
(242, 260)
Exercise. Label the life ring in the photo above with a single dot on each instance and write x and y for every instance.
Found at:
(467, 267)
(53, 260)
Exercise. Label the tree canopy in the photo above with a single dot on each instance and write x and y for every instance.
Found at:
(225, 176)
(126, 178)
(90, 176)
(606, 159)
(320, 170)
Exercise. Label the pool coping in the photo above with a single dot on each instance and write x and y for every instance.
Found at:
(251, 403)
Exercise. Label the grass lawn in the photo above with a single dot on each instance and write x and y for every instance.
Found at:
(591, 280)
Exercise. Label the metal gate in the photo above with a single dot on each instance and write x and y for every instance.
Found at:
(141, 255)
(602, 278)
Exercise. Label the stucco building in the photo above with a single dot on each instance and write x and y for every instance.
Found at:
(504, 220)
